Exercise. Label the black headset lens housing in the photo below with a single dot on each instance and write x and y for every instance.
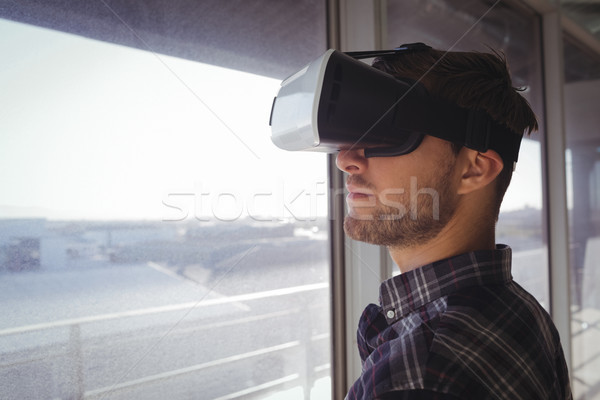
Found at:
(337, 102)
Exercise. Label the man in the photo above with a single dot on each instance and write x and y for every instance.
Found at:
(453, 324)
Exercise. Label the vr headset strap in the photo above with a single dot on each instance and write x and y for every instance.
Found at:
(473, 128)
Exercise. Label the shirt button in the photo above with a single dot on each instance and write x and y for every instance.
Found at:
(391, 314)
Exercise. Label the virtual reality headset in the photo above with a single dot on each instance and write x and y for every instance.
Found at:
(338, 102)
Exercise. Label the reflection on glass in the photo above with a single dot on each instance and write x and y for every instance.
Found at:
(582, 88)
(584, 13)
(153, 243)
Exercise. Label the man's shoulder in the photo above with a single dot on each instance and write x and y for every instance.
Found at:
(417, 394)
(501, 321)
(495, 337)
(497, 311)
(468, 344)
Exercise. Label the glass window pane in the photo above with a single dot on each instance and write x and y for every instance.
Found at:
(582, 88)
(477, 25)
(153, 242)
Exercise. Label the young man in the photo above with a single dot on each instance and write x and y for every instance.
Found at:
(453, 324)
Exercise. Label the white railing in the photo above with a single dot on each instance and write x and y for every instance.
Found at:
(305, 376)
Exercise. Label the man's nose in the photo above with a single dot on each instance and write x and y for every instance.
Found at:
(351, 161)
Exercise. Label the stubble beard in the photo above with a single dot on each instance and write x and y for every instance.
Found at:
(386, 226)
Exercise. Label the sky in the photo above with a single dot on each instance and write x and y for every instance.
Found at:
(92, 130)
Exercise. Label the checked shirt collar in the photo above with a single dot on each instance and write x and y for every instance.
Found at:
(411, 290)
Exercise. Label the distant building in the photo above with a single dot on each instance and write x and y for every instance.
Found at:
(23, 254)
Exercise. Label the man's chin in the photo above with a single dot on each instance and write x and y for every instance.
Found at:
(361, 229)
(351, 226)
(399, 233)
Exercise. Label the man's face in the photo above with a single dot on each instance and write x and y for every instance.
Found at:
(400, 201)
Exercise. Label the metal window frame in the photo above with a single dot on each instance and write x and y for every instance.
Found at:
(554, 26)
(556, 186)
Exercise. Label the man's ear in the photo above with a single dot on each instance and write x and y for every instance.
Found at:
(480, 169)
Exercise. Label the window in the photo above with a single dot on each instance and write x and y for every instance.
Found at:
(473, 25)
(153, 242)
(582, 82)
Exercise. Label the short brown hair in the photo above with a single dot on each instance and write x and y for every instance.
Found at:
(469, 80)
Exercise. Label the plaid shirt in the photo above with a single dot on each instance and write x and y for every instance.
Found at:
(459, 328)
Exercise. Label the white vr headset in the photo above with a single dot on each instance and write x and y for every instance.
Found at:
(337, 102)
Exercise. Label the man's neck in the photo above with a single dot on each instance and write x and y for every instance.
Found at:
(454, 239)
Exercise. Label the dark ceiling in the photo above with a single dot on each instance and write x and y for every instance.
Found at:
(255, 35)
(251, 35)
(585, 12)
(581, 63)
(468, 25)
